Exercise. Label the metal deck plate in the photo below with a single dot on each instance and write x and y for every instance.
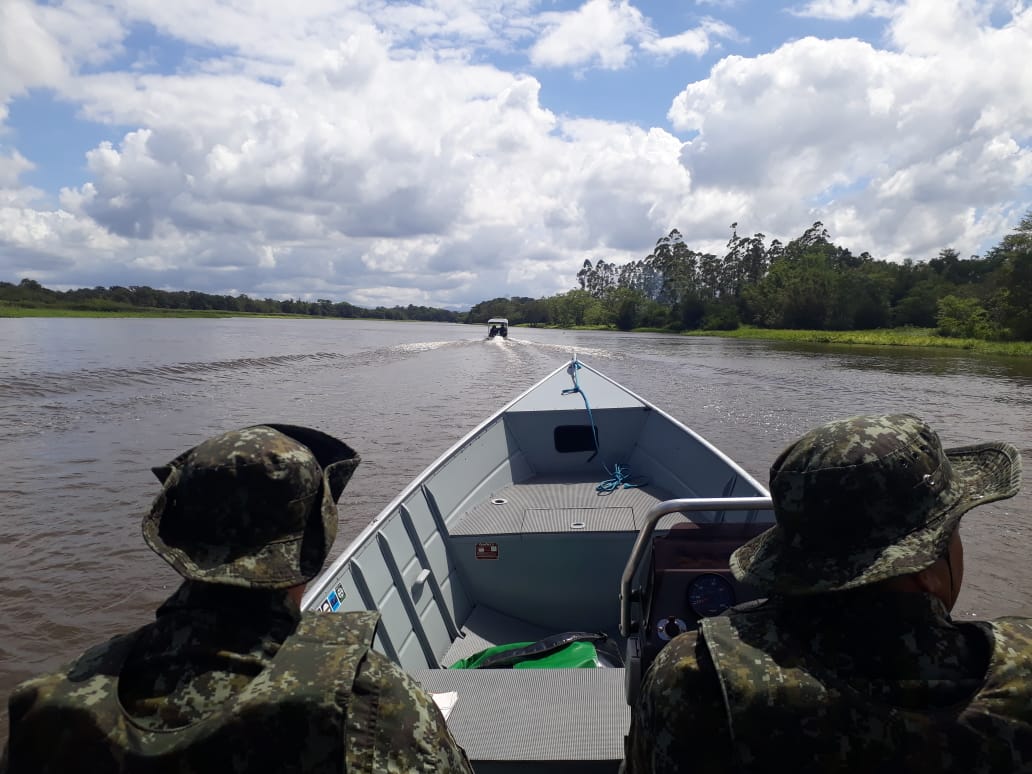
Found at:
(550, 504)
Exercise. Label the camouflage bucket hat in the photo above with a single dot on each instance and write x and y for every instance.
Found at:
(254, 507)
(864, 499)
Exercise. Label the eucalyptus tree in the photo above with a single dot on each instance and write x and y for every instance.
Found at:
(1014, 297)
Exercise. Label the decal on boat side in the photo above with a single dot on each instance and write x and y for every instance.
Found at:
(334, 601)
(487, 550)
(340, 592)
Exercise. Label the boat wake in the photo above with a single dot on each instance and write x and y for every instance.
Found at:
(50, 383)
(567, 349)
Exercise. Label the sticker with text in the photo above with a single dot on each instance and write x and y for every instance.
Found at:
(487, 550)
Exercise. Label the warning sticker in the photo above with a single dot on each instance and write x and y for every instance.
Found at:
(487, 550)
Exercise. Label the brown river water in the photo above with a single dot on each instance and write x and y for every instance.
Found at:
(88, 406)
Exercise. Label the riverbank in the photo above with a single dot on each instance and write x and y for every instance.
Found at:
(19, 311)
(11, 310)
(895, 337)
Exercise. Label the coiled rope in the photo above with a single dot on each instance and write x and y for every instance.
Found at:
(620, 478)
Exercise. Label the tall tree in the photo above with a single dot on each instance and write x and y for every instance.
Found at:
(1014, 298)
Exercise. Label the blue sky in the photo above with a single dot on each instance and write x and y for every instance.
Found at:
(444, 152)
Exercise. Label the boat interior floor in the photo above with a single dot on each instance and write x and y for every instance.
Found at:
(559, 504)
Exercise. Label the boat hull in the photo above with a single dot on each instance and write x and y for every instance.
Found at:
(524, 529)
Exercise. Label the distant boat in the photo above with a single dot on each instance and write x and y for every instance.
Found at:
(499, 327)
(550, 536)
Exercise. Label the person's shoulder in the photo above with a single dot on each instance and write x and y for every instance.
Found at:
(1012, 638)
(381, 675)
(91, 677)
(1016, 623)
(679, 722)
(679, 667)
(104, 658)
(410, 731)
(681, 652)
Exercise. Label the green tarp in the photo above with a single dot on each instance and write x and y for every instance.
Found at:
(575, 655)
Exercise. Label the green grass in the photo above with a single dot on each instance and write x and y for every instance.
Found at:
(118, 310)
(894, 337)
(7, 310)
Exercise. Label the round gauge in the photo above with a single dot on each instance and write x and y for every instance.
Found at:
(710, 594)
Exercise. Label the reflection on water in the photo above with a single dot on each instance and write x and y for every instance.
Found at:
(88, 406)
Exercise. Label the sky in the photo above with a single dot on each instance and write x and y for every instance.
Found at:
(447, 152)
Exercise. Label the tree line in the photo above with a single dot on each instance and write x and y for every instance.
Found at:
(808, 283)
(30, 293)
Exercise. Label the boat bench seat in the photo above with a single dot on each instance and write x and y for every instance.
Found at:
(569, 720)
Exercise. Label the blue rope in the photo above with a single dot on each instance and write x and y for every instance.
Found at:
(572, 370)
(620, 478)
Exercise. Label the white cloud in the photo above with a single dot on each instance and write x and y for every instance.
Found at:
(908, 151)
(40, 243)
(599, 33)
(322, 149)
(29, 54)
(844, 10)
(12, 166)
(610, 34)
(697, 41)
(361, 169)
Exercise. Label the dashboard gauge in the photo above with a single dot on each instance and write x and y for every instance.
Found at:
(710, 594)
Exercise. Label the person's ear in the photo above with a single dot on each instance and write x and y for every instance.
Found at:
(933, 580)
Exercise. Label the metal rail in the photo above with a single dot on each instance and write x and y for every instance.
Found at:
(657, 512)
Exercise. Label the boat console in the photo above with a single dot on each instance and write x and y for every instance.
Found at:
(690, 580)
(685, 579)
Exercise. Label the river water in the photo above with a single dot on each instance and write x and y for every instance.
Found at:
(87, 406)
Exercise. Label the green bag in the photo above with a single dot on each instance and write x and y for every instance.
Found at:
(571, 650)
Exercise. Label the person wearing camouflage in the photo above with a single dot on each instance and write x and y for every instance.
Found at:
(852, 663)
(232, 677)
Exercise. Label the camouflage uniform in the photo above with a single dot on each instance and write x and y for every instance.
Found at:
(231, 677)
(832, 672)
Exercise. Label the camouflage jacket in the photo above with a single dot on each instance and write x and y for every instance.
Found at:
(853, 682)
(229, 680)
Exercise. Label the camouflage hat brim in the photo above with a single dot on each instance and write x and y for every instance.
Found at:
(281, 563)
(773, 563)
